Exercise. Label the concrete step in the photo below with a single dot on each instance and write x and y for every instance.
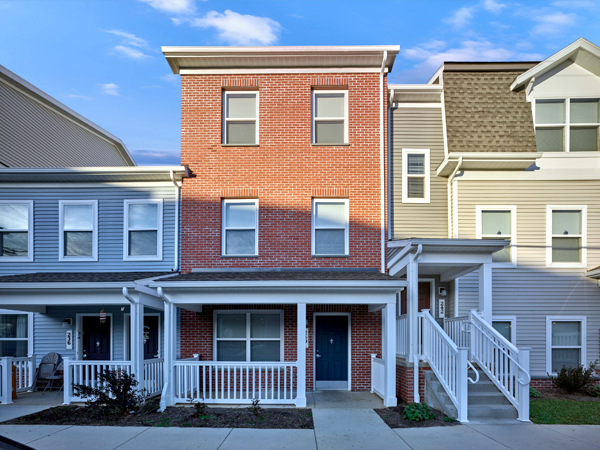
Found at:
(492, 412)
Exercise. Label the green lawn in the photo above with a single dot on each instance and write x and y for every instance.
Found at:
(568, 412)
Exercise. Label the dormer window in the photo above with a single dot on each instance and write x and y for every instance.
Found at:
(567, 125)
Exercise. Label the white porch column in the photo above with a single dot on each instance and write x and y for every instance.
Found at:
(412, 308)
(485, 292)
(136, 340)
(301, 359)
(168, 393)
(390, 355)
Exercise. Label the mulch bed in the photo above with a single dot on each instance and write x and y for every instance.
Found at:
(393, 418)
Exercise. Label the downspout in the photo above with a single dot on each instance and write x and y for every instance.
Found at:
(389, 164)
(450, 179)
(382, 159)
(415, 333)
(177, 195)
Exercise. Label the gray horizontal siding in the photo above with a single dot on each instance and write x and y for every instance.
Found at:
(417, 128)
(110, 228)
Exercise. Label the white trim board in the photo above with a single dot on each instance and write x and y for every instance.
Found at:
(314, 352)
(513, 326)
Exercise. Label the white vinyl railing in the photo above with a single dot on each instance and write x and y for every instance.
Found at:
(502, 362)
(86, 373)
(402, 336)
(458, 330)
(235, 382)
(153, 376)
(377, 375)
(24, 368)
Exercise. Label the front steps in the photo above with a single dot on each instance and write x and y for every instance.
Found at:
(486, 402)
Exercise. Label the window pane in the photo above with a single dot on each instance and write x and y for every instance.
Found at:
(143, 243)
(330, 214)
(550, 111)
(240, 242)
(330, 242)
(584, 111)
(240, 215)
(78, 217)
(241, 133)
(231, 350)
(584, 139)
(13, 326)
(415, 187)
(143, 215)
(549, 139)
(566, 250)
(14, 244)
(329, 105)
(416, 164)
(566, 222)
(495, 223)
(504, 328)
(242, 106)
(567, 357)
(265, 351)
(566, 334)
(14, 217)
(330, 132)
(231, 326)
(265, 326)
(78, 243)
(16, 349)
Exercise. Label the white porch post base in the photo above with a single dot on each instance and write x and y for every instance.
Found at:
(301, 359)
(6, 380)
(67, 381)
(390, 355)
(523, 409)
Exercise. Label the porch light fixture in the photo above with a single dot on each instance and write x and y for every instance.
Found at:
(67, 323)
(442, 291)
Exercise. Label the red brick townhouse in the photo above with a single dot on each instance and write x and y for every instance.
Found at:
(283, 226)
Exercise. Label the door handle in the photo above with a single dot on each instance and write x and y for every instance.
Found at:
(317, 356)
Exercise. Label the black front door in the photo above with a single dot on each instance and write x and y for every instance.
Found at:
(151, 346)
(96, 338)
(331, 352)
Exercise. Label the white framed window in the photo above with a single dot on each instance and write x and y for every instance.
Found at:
(16, 334)
(78, 230)
(567, 124)
(499, 222)
(566, 236)
(330, 227)
(248, 335)
(415, 175)
(329, 117)
(240, 227)
(16, 230)
(565, 342)
(240, 117)
(507, 327)
(142, 232)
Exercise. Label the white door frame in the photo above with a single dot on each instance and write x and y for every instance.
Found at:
(79, 331)
(127, 335)
(432, 294)
(314, 352)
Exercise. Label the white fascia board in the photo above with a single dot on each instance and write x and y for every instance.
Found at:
(300, 49)
(56, 285)
(96, 170)
(320, 284)
(447, 165)
(436, 75)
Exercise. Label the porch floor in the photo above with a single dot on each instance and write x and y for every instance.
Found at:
(342, 399)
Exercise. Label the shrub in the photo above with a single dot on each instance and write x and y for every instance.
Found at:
(200, 409)
(449, 419)
(575, 379)
(534, 393)
(116, 393)
(418, 412)
(594, 391)
(255, 408)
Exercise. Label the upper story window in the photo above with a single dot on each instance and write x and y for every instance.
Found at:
(565, 342)
(240, 118)
(78, 238)
(330, 228)
(499, 222)
(566, 236)
(143, 230)
(567, 125)
(16, 230)
(330, 117)
(415, 175)
(240, 228)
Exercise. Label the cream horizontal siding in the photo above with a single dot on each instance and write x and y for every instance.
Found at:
(532, 291)
(418, 128)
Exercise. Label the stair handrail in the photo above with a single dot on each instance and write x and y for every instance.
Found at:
(476, 373)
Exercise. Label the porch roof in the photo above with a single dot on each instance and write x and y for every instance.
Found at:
(76, 279)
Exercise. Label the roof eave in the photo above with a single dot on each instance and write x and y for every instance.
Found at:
(511, 160)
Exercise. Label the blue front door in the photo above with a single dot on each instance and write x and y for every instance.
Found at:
(331, 352)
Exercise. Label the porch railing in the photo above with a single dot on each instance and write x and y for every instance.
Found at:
(234, 382)
(24, 368)
(377, 376)
(153, 376)
(86, 373)
(458, 330)
(402, 337)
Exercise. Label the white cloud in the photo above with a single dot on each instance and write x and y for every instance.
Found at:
(553, 23)
(130, 39)
(81, 97)
(237, 29)
(575, 4)
(493, 6)
(434, 45)
(131, 46)
(531, 57)
(129, 52)
(110, 89)
(461, 17)
(172, 6)
(170, 78)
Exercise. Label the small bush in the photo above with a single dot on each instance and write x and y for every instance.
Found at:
(575, 379)
(200, 409)
(418, 412)
(594, 391)
(255, 408)
(534, 393)
(449, 419)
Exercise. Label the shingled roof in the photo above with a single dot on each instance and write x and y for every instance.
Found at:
(282, 275)
(80, 277)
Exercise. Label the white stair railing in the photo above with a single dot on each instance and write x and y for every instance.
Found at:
(402, 336)
(86, 373)
(377, 375)
(458, 330)
(502, 362)
(153, 376)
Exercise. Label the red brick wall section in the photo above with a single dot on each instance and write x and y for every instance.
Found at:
(405, 383)
(283, 172)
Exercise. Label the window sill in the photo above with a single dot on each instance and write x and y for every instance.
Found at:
(76, 259)
(567, 265)
(15, 259)
(330, 256)
(143, 258)
(240, 145)
(239, 256)
(330, 145)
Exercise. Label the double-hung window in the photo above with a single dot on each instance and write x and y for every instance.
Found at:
(240, 228)
(248, 336)
(415, 175)
(16, 230)
(78, 222)
(499, 222)
(567, 125)
(143, 230)
(330, 117)
(566, 236)
(565, 342)
(240, 118)
(330, 230)
(15, 334)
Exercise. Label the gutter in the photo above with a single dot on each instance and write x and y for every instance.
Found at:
(450, 179)
(177, 212)
(382, 157)
(389, 165)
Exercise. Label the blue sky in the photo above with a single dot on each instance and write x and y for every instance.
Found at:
(102, 57)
